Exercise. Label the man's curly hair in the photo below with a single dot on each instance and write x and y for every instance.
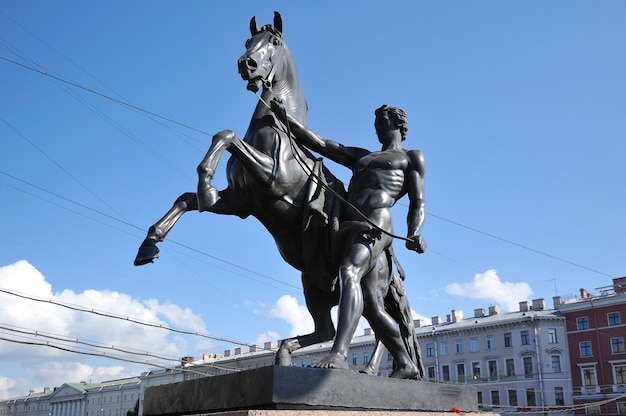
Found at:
(398, 115)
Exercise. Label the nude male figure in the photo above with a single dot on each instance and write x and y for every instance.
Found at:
(379, 179)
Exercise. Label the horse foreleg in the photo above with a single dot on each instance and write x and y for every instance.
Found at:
(148, 251)
(260, 165)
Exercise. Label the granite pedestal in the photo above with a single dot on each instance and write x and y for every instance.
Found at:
(306, 389)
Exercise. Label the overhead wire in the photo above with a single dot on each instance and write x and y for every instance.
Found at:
(170, 120)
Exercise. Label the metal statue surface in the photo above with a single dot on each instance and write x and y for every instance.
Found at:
(379, 179)
(299, 201)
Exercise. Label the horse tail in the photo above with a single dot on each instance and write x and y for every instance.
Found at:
(397, 305)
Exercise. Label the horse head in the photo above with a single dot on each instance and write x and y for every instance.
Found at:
(266, 52)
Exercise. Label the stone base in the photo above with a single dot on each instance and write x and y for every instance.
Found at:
(304, 389)
(336, 413)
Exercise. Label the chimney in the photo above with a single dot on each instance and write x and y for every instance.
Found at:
(186, 360)
(539, 304)
(436, 320)
(417, 323)
(238, 351)
(523, 306)
(479, 313)
(619, 284)
(206, 357)
(494, 310)
(268, 345)
(583, 293)
(227, 353)
(456, 316)
(254, 348)
(367, 331)
(557, 302)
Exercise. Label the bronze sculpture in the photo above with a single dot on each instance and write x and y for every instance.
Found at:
(379, 180)
(291, 193)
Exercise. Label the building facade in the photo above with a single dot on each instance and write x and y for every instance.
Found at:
(596, 331)
(518, 361)
(110, 398)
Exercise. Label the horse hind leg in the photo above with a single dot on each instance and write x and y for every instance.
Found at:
(148, 251)
(319, 305)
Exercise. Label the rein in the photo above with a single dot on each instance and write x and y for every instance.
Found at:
(321, 180)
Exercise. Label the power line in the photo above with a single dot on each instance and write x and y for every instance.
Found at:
(122, 318)
(144, 111)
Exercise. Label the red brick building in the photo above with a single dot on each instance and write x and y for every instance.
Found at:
(596, 332)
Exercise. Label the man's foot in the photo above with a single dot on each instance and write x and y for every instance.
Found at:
(207, 198)
(333, 360)
(405, 372)
(148, 251)
(368, 370)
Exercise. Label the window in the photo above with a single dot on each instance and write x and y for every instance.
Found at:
(592, 409)
(621, 408)
(589, 376)
(459, 346)
(460, 372)
(476, 370)
(585, 349)
(445, 372)
(430, 370)
(493, 369)
(389, 356)
(552, 336)
(559, 398)
(303, 364)
(510, 367)
(491, 342)
(582, 323)
(617, 345)
(508, 340)
(512, 397)
(473, 344)
(444, 347)
(531, 400)
(528, 367)
(430, 349)
(619, 371)
(525, 337)
(495, 397)
(366, 357)
(355, 359)
(555, 360)
(480, 398)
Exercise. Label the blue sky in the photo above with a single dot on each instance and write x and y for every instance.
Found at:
(518, 107)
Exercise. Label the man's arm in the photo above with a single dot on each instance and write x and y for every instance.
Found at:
(335, 151)
(417, 205)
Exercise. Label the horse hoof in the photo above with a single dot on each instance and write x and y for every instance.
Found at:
(148, 251)
(207, 198)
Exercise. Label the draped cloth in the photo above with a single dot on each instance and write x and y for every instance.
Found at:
(320, 224)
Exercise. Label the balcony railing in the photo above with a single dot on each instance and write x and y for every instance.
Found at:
(590, 390)
(619, 388)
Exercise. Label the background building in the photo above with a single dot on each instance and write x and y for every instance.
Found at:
(596, 329)
(518, 361)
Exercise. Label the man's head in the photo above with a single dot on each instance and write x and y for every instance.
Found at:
(396, 115)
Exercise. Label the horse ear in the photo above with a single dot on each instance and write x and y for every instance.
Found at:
(254, 28)
(278, 22)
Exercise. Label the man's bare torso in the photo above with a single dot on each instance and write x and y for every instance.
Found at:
(378, 181)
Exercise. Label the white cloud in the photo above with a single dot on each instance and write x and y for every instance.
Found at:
(25, 367)
(488, 286)
(297, 316)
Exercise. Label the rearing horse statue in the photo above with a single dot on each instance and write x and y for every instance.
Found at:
(280, 183)
(269, 178)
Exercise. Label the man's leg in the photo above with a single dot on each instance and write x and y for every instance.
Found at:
(354, 265)
(375, 287)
